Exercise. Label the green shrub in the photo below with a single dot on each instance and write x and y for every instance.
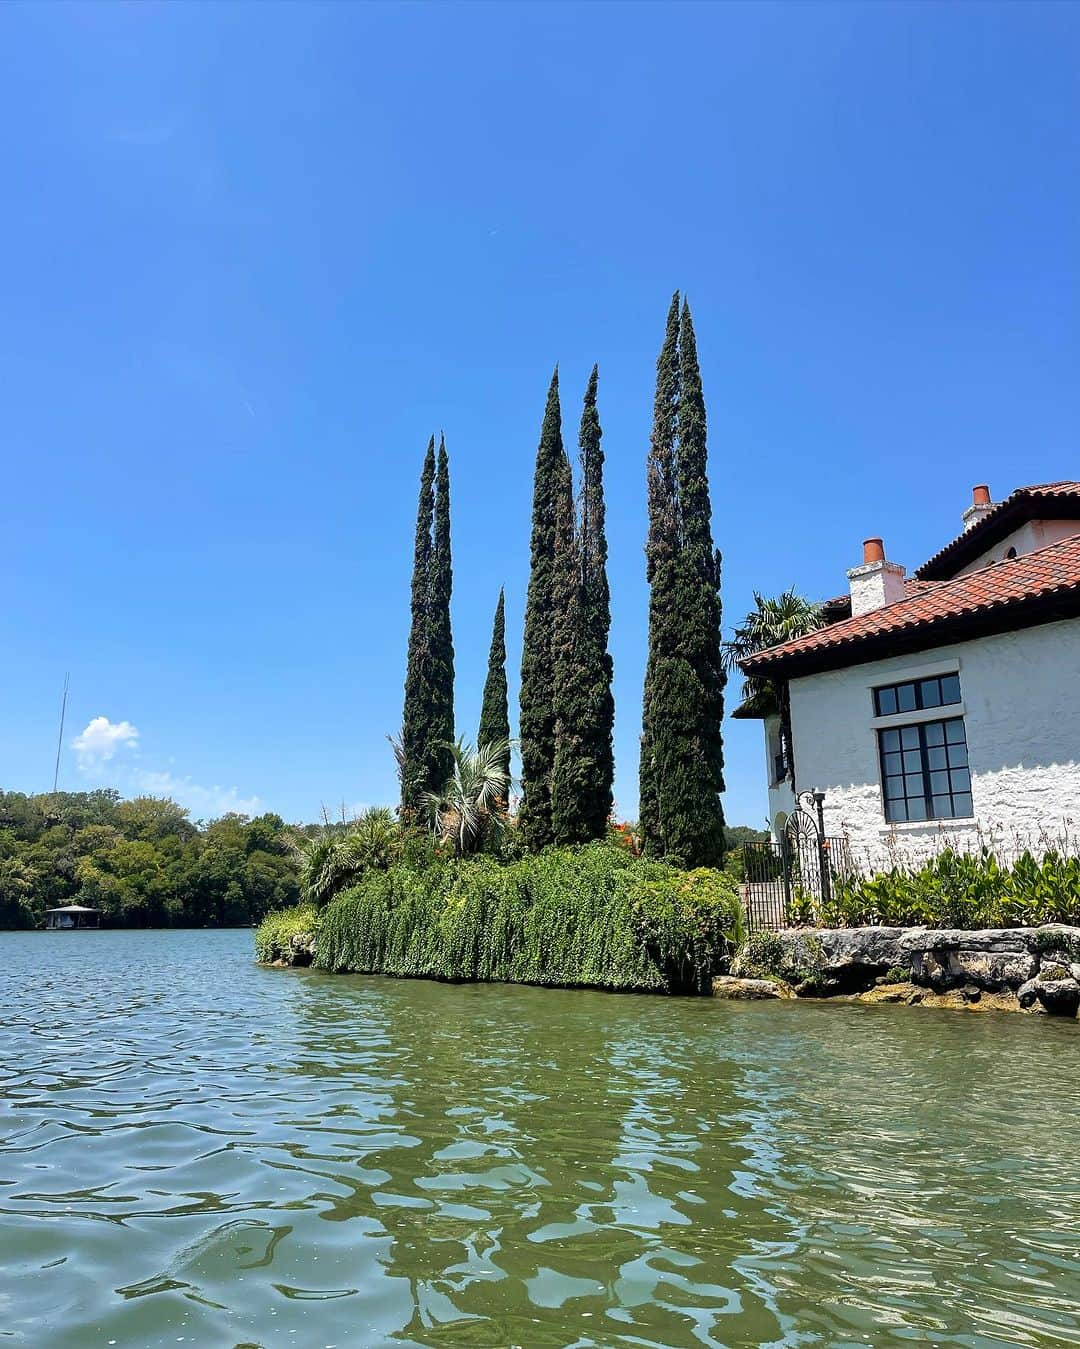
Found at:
(761, 956)
(962, 890)
(276, 931)
(591, 917)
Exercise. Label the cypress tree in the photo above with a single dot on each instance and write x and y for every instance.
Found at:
(537, 697)
(584, 764)
(702, 814)
(568, 772)
(495, 707)
(416, 717)
(661, 550)
(682, 752)
(596, 621)
(440, 761)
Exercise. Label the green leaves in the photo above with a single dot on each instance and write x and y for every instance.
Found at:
(962, 890)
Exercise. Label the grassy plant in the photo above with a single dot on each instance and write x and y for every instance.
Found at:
(590, 917)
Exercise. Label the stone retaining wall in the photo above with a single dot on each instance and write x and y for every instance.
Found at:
(1031, 969)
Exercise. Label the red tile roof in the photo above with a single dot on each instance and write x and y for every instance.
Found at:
(1047, 500)
(1037, 587)
(839, 607)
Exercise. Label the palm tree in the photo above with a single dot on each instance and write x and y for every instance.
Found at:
(374, 841)
(769, 623)
(470, 807)
(338, 855)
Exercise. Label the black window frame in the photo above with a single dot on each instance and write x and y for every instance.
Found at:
(917, 695)
(925, 773)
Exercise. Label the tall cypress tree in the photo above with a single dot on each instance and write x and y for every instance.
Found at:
(702, 813)
(661, 551)
(568, 771)
(442, 641)
(416, 717)
(537, 697)
(595, 622)
(495, 707)
(584, 764)
(682, 753)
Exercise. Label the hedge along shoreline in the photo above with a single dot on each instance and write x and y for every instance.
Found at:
(593, 917)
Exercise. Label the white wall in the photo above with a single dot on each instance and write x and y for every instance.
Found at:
(1021, 708)
(1028, 538)
(781, 797)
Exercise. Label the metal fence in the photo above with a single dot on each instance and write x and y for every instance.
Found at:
(796, 872)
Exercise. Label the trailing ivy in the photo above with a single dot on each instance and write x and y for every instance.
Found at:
(592, 917)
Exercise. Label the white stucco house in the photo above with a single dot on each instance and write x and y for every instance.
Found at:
(945, 704)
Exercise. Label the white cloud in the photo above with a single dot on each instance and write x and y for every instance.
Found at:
(101, 739)
(98, 744)
(205, 803)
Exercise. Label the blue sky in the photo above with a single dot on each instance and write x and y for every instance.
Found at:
(252, 256)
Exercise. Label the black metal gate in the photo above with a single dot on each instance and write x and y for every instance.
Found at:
(786, 880)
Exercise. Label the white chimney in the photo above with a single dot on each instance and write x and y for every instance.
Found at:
(980, 507)
(877, 582)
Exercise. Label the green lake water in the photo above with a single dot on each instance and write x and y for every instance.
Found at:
(197, 1151)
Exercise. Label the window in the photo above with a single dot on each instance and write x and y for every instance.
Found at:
(917, 696)
(924, 770)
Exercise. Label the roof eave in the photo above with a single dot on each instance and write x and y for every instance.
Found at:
(985, 622)
(1021, 506)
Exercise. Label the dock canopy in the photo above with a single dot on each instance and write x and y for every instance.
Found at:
(72, 916)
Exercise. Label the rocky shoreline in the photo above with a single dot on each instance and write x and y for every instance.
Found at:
(1021, 969)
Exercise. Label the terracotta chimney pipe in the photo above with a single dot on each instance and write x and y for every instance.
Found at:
(980, 496)
(873, 550)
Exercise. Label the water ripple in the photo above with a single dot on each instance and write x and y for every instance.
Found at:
(195, 1150)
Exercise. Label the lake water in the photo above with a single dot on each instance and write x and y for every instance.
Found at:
(197, 1151)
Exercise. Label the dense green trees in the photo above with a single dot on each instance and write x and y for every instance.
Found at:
(427, 725)
(681, 773)
(142, 862)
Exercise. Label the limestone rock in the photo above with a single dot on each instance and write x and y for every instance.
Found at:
(997, 939)
(990, 969)
(1058, 995)
(732, 987)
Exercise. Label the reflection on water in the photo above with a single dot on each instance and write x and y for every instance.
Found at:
(197, 1151)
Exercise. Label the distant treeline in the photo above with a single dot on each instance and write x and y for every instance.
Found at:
(143, 862)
